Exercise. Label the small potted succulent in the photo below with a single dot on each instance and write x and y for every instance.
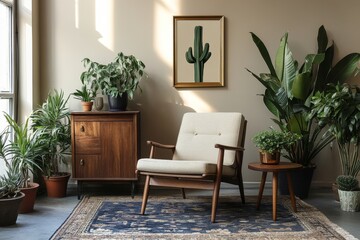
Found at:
(349, 193)
(86, 96)
(271, 142)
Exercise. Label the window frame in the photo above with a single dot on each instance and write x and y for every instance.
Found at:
(12, 94)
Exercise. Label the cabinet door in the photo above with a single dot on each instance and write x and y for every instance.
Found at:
(118, 150)
(89, 166)
(87, 137)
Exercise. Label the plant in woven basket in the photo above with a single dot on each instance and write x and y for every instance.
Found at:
(347, 183)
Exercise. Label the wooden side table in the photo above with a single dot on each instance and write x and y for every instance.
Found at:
(275, 169)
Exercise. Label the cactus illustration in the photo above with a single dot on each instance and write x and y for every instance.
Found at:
(200, 56)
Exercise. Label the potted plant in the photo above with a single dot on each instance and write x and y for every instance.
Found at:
(86, 96)
(52, 121)
(118, 79)
(271, 142)
(339, 108)
(288, 91)
(22, 151)
(10, 196)
(349, 193)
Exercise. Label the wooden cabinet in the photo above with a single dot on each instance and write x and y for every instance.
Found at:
(105, 146)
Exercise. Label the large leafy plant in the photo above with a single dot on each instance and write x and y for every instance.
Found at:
(52, 121)
(21, 151)
(339, 108)
(115, 78)
(290, 86)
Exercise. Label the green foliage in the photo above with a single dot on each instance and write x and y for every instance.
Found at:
(200, 56)
(347, 183)
(339, 108)
(115, 78)
(10, 184)
(85, 94)
(290, 87)
(52, 121)
(271, 141)
(22, 150)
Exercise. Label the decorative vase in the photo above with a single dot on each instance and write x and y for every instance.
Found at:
(301, 181)
(56, 186)
(270, 158)
(27, 204)
(87, 106)
(118, 103)
(99, 103)
(349, 200)
(9, 208)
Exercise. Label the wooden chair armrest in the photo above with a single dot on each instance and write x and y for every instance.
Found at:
(159, 145)
(229, 147)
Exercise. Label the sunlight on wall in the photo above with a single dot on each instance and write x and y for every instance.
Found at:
(104, 22)
(192, 100)
(77, 14)
(164, 10)
(163, 29)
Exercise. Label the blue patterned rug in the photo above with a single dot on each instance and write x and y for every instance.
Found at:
(175, 218)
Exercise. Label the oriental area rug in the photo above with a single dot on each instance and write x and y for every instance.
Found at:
(117, 217)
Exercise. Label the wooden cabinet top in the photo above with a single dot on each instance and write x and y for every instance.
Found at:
(106, 113)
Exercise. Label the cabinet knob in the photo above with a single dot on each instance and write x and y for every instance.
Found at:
(82, 162)
(82, 129)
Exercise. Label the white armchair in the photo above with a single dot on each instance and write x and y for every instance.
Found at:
(199, 160)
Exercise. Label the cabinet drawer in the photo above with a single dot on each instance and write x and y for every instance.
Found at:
(87, 137)
(89, 166)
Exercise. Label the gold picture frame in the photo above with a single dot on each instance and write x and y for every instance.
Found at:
(198, 51)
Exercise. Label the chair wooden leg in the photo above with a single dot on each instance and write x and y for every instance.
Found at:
(183, 193)
(145, 194)
(241, 187)
(215, 199)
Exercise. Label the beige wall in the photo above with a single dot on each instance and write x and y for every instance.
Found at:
(99, 29)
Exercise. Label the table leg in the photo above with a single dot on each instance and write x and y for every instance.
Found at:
(274, 193)
(261, 189)
(291, 191)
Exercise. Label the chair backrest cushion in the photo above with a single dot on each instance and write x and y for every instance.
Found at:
(199, 132)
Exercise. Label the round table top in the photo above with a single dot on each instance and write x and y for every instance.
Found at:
(282, 166)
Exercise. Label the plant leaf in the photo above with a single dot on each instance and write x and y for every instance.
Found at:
(344, 69)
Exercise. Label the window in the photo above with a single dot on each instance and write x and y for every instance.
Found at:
(7, 60)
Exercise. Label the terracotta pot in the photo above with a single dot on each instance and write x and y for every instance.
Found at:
(27, 205)
(87, 106)
(270, 158)
(9, 208)
(56, 186)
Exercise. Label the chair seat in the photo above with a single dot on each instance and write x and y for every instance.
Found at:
(186, 167)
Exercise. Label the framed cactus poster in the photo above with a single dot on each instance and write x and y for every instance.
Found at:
(198, 51)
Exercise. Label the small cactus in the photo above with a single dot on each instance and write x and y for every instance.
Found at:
(200, 56)
(347, 182)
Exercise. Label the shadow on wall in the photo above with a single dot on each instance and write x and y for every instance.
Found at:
(161, 115)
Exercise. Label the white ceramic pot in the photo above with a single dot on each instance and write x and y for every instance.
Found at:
(349, 200)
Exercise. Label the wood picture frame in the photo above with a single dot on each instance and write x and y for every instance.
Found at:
(198, 51)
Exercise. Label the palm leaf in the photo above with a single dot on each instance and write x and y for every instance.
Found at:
(264, 53)
(280, 57)
(344, 69)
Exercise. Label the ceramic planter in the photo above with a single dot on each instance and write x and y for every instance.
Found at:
(9, 208)
(270, 158)
(118, 103)
(349, 200)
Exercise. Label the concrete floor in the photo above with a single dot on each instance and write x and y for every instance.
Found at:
(50, 213)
